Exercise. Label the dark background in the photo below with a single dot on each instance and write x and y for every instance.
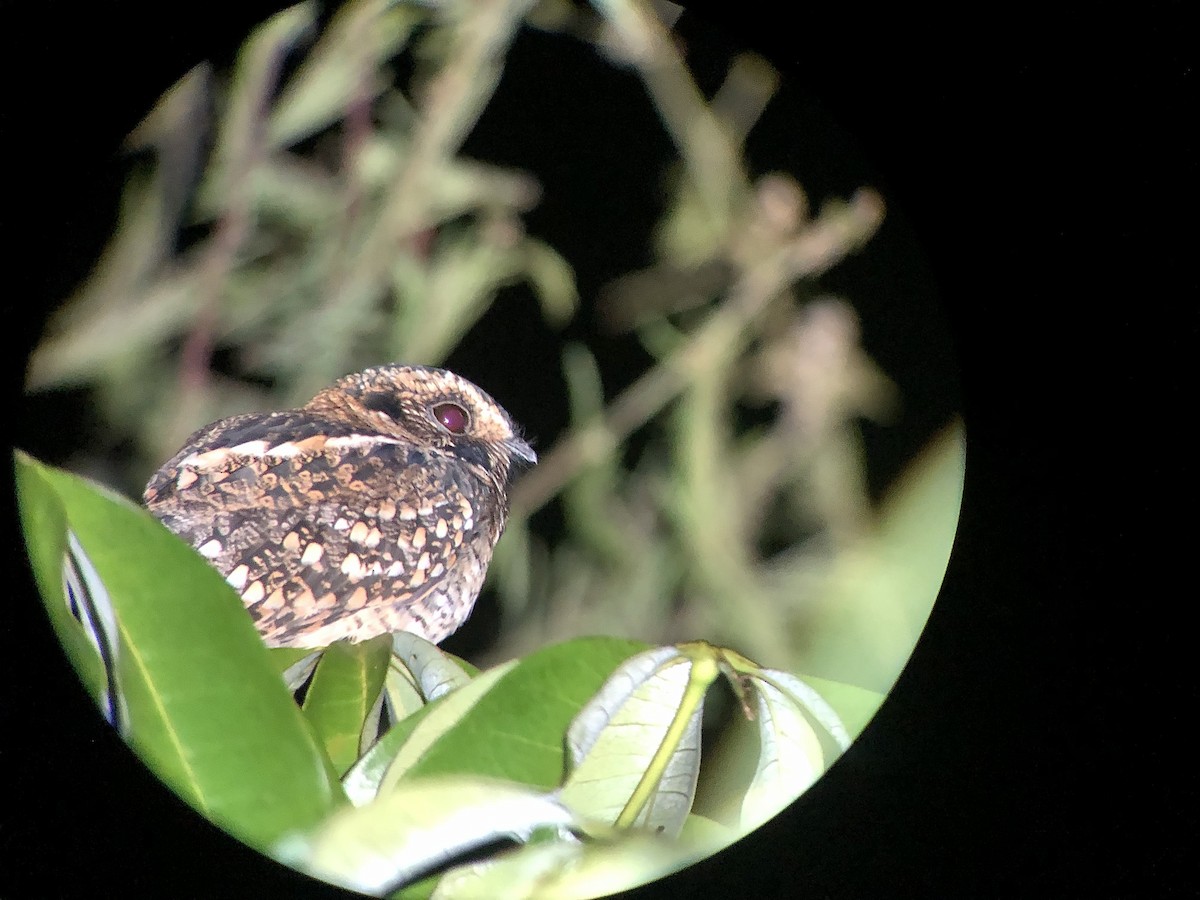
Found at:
(1044, 161)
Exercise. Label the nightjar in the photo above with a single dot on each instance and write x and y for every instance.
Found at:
(372, 509)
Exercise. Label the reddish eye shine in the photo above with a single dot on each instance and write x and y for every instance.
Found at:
(452, 417)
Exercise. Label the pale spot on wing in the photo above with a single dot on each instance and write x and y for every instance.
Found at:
(351, 566)
(209, 459)
(304, 604)
(286, 450)
(237, 578)
(251, 448)
(211, 549)
(312, 554)
(358, 440)
(276, 600)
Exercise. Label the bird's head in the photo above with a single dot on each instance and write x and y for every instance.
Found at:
(431, 408)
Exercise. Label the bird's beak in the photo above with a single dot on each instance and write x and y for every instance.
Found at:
(520, 449)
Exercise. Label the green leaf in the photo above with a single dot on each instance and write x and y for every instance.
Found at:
(635, 747)
(344, 689)
(401, 693)
(552, 279)
(435, 673)
(207, 709)
(239, 140)
(343, 65)
(418, 827)
(566, 868)
(854, 705)
(45, 525)
(876, 602)
(398, 750)
(441, 718)
(419, 673)
(789, 758)
(515, 731)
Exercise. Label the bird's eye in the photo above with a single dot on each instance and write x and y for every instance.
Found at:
(452, 417)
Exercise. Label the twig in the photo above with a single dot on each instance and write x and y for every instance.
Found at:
(833, 235)
(241, 146)
(704, 143)
(453, 102)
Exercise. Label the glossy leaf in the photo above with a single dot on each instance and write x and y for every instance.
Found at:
(515, 731)
(207, 710)
(418, 827)
(789, 759)
(363, 780)
(434, 673)
(45, 525)
(635, 747)
(439, 719)
(419, 673)
(344, 689)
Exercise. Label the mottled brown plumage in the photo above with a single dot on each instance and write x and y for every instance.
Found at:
(372, 509)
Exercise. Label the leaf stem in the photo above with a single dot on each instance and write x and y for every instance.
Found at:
(703, 673)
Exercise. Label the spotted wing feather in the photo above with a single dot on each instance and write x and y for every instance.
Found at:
(327, 534)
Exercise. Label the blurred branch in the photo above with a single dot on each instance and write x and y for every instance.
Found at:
(705, 145)
(838, 230)
(744, 95)
(240, 148)
(714, 521)
(452, 102)
(817, 370)
(341, 67)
